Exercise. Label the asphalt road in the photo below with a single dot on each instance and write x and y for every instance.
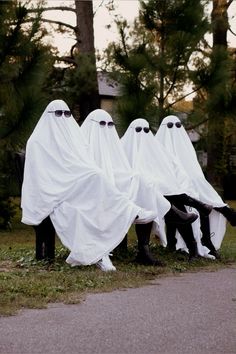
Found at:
(190, 313)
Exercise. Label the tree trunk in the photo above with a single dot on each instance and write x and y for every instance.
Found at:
(85, 45)
(215, 148)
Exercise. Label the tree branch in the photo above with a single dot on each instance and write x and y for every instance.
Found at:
(73, 28)
(173, 82)
(183, 97)
(101, 3)
(68, 60)
(194, 126)
(61, 8)
(230, 29)
(229, 3)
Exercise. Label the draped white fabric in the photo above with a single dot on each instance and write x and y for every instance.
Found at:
(108, 153)
(177, 141)
(90, 216)
(151, 159)
(148, 156)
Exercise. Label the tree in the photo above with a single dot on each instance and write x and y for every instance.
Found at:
(169, 50)
(215, 75)
(24, 65)
(217, 94)
(79, 78)
(155, 66)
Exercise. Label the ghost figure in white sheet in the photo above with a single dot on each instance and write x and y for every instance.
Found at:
(153, 161)
(90, 216)
(108, 153)
(173, 136)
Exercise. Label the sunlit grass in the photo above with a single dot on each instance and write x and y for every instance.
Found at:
(27, 283)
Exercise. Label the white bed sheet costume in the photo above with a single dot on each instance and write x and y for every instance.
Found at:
(178, 143)
(151, 159)
(106, 148)
(90, 216)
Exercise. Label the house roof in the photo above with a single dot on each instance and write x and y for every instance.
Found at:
(107, 86)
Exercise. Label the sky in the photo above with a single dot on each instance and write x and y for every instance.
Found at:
(127, 8)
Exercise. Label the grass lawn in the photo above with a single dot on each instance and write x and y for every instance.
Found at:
(27, 283)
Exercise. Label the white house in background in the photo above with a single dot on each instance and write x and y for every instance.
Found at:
(109, 90)
(194, 136)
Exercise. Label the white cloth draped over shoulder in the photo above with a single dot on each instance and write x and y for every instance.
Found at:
(90, 216)
(108, 153)
(148, 156)
(177, 142)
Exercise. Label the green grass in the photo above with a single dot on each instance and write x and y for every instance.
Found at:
(27, 283)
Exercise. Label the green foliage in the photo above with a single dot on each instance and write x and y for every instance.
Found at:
(77, 84)
(214, 76)
(155, 64)
(79, 79)
(7, 208)
(24, 64)
(7, 212)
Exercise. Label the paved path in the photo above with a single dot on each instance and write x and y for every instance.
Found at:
(193, 313)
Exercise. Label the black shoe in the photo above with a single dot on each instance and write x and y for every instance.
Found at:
(193, 258)
(193, 255)
(170, 249)
(208, 243)
(215, 254)
(229, 214)
(144, 257)
(176, 216)
(232, 217)
(193, 251)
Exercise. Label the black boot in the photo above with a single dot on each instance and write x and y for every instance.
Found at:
(187, 234)
(45, 240)
(170, 237)
(202, 208)
(144, 255)
(206, 237)
(229, 214)
(177, 216)
(193, 252)
(208, 243)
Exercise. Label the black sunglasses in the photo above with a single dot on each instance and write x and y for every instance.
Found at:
(170, 124)
(139, 129)
(58, 113)
(102, 123)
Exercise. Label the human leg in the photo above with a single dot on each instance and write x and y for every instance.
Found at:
(45, 240)
(185, 229)
(186, 233)
(203, 208)
(206, 236)
(144, 256)
(170, 236)
(177, 216)
(229, 214)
